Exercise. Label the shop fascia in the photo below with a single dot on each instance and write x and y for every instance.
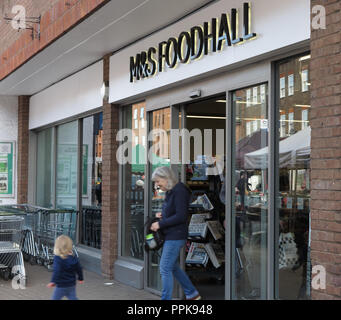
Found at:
(192, 45)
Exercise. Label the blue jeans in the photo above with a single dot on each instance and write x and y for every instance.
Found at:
(169, 267)
(69, 292)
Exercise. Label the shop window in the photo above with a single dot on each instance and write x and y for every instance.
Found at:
(294, 189)
(250, 197)
(158, 156)
(132, 183)
(45, 168)
(91, 208)
(67, 169)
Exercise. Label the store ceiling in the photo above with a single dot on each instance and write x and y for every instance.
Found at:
(115, 25)
(211, 107)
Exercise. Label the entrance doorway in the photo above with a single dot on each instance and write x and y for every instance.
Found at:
(204, 155)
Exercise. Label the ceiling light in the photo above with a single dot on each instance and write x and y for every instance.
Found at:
(306, 121)
(206, 117)
(304, 58)
(302, 105)
(250, 103)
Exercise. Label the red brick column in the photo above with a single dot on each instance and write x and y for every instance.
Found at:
(23, 141)
(109, 183)
(326, 149)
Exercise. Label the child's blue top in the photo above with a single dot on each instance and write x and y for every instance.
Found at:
(65, 271)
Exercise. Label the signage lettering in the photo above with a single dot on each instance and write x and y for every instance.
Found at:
(213, 36)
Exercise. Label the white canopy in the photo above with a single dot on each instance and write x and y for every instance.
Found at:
(294, 151)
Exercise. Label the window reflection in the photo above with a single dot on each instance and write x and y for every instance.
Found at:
(159, 155)
(294, 186)
(133, 181)
(45, 168)
(67, 155)
(91, 219)
(250, 192)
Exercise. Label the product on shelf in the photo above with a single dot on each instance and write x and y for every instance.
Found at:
(197, 255)
(198, 226)
(215, 253)
(216, 229)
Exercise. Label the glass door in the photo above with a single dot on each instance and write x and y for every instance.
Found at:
(250, 192)
(133, 183)
(293, 193)
(158, 155)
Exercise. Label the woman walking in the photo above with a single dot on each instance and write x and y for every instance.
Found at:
(174, 226)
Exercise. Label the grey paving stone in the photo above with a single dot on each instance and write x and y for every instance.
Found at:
(95, 287)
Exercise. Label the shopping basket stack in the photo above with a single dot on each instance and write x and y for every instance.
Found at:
(11, 258)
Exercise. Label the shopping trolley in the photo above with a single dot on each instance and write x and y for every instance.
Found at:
(48, 225)
(41, 228)
(11, 258)
(30, 214)
(30, 246)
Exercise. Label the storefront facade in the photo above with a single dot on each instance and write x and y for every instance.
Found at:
(66, 154)
(245, 79)
(254, 92)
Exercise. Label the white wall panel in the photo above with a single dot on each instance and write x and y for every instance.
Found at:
(74, 95)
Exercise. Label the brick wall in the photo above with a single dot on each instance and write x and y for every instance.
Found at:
(109, 183)
(23, 147)
(57, 17)
(34, 8)
(325, 71)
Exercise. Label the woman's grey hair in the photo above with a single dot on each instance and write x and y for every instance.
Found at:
(167, 174)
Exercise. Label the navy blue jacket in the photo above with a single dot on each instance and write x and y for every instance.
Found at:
(175, 213)
(65, 270)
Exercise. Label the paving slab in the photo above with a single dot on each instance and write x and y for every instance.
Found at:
(95, 287)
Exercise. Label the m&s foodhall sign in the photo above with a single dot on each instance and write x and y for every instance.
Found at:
(193, 44)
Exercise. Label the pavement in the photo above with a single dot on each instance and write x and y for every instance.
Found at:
(95, 287)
